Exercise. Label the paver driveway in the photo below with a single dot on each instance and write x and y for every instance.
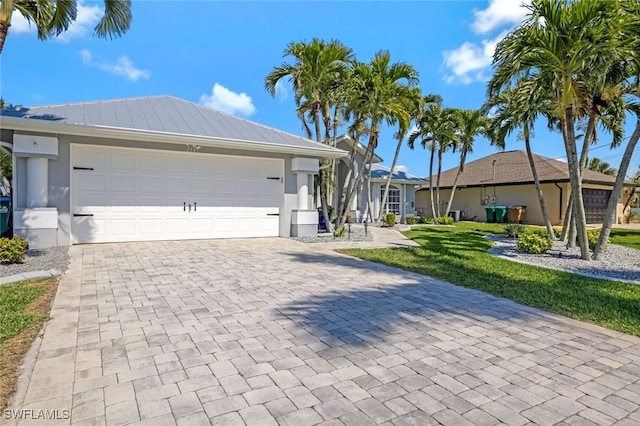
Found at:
(266, 331)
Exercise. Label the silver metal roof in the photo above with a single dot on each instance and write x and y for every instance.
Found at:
(166, 114)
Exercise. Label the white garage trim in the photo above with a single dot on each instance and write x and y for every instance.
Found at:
(131, 194)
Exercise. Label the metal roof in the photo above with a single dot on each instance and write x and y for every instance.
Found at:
(164, 114)
(378, 171)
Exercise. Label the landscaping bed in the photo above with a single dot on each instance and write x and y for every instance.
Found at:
(39, 260)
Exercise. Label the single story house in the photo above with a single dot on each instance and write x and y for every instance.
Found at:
(505, 178)
(156, 168)
(401, 199)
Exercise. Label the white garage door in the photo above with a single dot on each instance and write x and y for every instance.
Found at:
(120, 194)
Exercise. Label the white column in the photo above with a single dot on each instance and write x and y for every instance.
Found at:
(37, 182)
(303, 190)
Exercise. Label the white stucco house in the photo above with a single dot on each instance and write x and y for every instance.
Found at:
(401, 199)
(156, 168)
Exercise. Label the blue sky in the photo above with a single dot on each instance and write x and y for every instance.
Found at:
(218, 53)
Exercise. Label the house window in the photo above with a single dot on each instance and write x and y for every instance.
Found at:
(393, 200)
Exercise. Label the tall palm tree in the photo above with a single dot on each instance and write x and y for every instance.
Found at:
(317, 74)
(569, 43)
(597, 165)
(469, 124)
(449, 121)
(518, 107)
(379, 93)
(53, 17)
(435, 124)
(414, 101)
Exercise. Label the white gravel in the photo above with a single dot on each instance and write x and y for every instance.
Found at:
(620, 263)
(357, 234)
(38, 260)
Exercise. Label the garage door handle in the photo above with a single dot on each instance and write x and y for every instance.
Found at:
(273, 214)
(184, 206)
(82, 168)
(82, 214)
(273, 178)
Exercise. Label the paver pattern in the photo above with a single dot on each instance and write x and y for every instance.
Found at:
(272, 331)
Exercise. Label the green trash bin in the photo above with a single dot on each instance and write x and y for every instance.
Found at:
(491, 213)
(4, 214)
(501, 214)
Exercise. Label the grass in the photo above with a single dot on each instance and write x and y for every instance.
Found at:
(459, 255)
(24, 307)
(626, 237)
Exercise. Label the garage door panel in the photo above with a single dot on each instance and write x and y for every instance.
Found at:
(138, 195)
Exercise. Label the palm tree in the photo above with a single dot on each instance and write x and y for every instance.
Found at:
(379, 96)
(569, 43)
(518, 107)
(317, 75)
(469, 124)
(435, 124)
(597, 165)
(52, 18)
(414, 101)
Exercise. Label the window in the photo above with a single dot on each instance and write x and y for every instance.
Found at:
(393, 200)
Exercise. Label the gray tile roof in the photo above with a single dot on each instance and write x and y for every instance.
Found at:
(166, 114)
(512, 167)
(378, 171)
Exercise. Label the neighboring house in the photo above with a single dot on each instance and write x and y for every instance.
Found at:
(156, 168)
(401, 199)
(505, 178)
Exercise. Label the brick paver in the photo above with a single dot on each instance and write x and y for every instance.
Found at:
(273, 331)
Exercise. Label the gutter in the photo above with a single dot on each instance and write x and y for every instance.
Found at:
(561, 191)
(34, 125)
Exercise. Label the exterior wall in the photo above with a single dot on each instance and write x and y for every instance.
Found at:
(470, 201)
(60, 179)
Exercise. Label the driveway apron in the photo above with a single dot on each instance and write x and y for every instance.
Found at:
(271, 331)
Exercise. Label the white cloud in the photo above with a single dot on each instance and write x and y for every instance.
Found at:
(498, 14)
(229, 101)
(469, 62)
(20, 25)
(282, 91)
(123, 66)
(87, 17)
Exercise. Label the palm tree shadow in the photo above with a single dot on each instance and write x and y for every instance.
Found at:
(383, 311)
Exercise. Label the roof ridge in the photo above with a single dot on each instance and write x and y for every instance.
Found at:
(100, 101)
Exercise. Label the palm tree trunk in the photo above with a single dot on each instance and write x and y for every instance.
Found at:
(387, 185)
(433, 206)
(576, 181)
(323, 181)
(438, 182)
(536, 181)
(368, 156)
(4, 30)
(612, 205)
(369, 196)
(584, 157)
(567, 220)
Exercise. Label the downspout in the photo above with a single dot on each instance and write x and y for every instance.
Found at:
(560, 188)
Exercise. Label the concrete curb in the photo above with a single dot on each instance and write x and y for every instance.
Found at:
(30, 276)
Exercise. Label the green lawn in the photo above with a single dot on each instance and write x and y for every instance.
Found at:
(626, 237)
(459, 255)
(24, 307)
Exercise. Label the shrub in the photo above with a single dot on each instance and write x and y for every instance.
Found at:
(592, 238)
(390, 219)
(557, 231)
(513, 230)
(445, 220)
(630, 216)
(425, 220)
(534, 243)
(340, 231)
(411, 220)
(13, 250)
